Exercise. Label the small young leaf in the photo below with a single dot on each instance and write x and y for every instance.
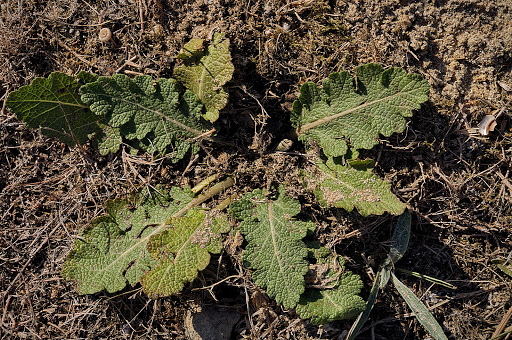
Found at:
(336, 303)
(206, 71)
(376, 102)
(54, 104)
(275, 248)
(112, 250)
(158, 115)
(109, 140)
(192, 49)
(351, 186)
(400, 239)
(182, 250)
(420, 310)
(316, 251)
(385, 273)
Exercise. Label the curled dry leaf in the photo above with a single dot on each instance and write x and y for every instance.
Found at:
(505, 86)
(487, 125)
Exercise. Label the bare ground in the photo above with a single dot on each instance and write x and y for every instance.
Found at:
(455, 181)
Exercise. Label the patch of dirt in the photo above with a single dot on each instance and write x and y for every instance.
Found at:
(456, 181)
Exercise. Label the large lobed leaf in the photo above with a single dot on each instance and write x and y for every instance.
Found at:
(112, 251)
(182, 250)
(350, 186)
(54, 105)
(338, 301)
(205, 71)
(275, 248)
(344, 109)
(163, 242)
(161, 116)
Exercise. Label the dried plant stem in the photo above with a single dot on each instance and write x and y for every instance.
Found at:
(217, 188)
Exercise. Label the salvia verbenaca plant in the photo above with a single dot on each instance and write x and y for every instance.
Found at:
(166, 238)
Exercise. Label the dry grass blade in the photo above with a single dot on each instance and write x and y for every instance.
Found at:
(501, 326)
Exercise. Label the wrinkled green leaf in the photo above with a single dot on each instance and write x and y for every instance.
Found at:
(54, 105)
(109, 140)
(160, 115)
(420, 310)
(182, 250)
(84, 77)
(338, 301)
(351, 186)
(357, 111)
(275, 248)
(112, 250)
(205, 71)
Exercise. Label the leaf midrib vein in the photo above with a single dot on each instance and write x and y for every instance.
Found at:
(201, 83)
(328, 296)
(272, 233)
(312, 125)
(173, 121)
(49, 102)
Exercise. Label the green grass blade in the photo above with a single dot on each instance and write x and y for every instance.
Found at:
(426, 277)
(500, 335)
(363, 317)
(503, 267)
(420, 310)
